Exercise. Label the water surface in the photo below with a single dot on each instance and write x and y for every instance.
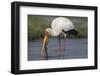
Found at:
(75, 49)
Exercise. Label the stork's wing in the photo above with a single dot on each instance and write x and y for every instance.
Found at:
(67, 25)
(62, 23)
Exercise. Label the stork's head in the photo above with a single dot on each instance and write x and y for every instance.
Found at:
(48, 30)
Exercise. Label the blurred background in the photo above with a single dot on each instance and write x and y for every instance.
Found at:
(38, 23)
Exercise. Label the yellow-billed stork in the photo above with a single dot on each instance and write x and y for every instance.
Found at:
(59, 25)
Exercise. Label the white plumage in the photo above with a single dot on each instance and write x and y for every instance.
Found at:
(59, 24)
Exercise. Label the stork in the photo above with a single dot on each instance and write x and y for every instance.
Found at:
(60, 25)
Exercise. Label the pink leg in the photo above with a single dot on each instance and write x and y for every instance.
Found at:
(64, 43)
(59, 43)
(61, 51)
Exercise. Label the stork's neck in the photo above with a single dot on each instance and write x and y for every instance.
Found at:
(52, 32)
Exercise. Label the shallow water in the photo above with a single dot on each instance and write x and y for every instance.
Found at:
(74, 49)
